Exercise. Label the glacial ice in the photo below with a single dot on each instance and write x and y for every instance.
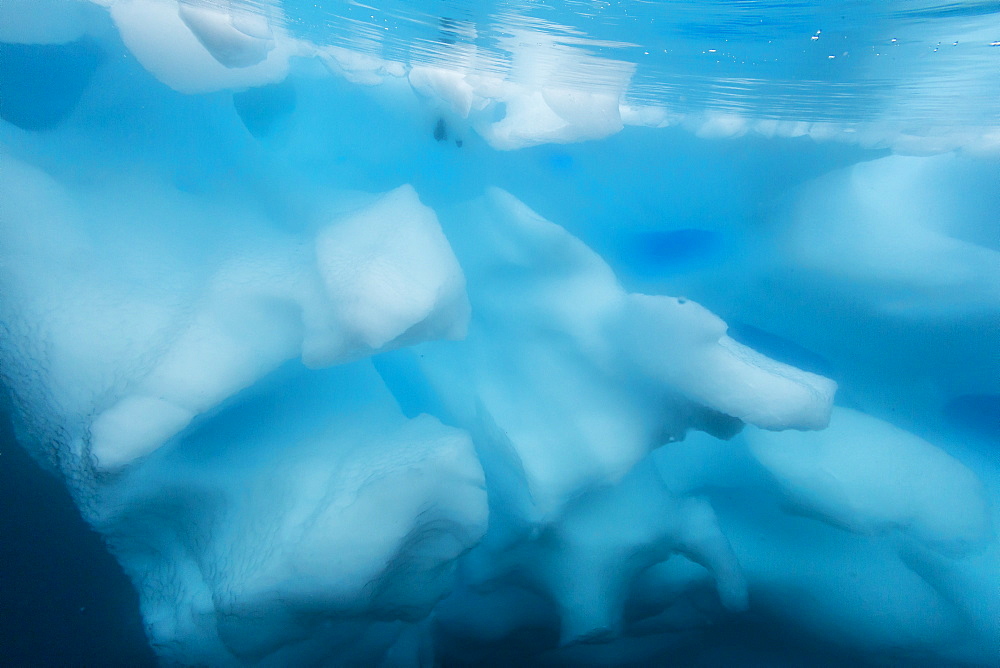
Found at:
(194, 48)
(358, 362)
(906, 483)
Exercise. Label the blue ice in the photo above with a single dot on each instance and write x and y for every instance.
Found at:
(506, 334)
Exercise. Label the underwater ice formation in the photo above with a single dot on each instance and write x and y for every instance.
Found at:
(353, 361)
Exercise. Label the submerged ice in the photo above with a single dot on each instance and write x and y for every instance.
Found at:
(353, 361)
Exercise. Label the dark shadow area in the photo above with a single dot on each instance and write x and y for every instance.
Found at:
(41, 84)
(978, 414)
(749, 641)
(781, 349)
(743, 642)
(64, 600)
(665, 252)
(262, 108)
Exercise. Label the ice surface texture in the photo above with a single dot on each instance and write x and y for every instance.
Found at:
(342, 381)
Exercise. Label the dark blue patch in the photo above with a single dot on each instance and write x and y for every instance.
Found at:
(262, 108)
(977, 413)
(41, 84)
(671, 251)
(440, 130)
(780, 349)
(448, 30)
(678, 245)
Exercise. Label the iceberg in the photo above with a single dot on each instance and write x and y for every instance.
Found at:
(478, 354)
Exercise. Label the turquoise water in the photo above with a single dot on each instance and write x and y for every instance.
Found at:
(517, 333)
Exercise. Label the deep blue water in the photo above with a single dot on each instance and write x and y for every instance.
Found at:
(64, 600)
